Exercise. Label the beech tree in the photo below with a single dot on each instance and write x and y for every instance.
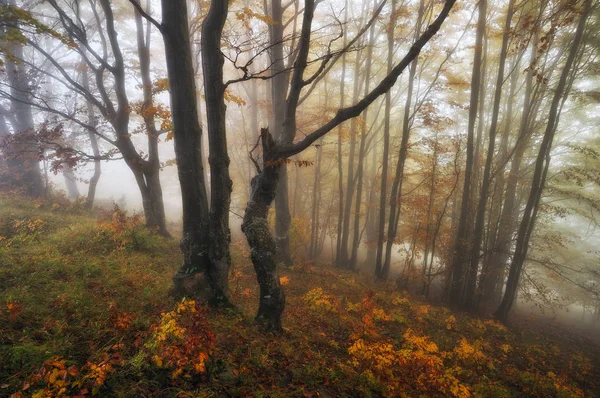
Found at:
(264, 184)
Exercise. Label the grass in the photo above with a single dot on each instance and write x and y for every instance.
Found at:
(84, 310)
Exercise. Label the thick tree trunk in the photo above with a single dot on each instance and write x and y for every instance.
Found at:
(221, 185)
(188, 141)
(27, 165)
(262, 245)
(541, 170)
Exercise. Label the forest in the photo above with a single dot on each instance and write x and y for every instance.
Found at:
(299, 198)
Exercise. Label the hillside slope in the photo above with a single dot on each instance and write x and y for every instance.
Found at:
(84, 310)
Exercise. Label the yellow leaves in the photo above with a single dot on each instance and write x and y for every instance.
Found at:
(469, 353)
(181, 339)
(246, 14)
(284, 280)
(419, 342)
(317, 300)
(380, 315)
(505, 348)
(450, 322)
(400, 300)
(230, 97)
(170, 136)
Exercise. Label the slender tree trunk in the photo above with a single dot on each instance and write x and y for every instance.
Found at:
(396, 192)
(491, 275)
(279, 85)
(344, 259)
(386, 148)
(462, 236)
(541, 170)
(91, 119)
(149, 184)
(470, 293)
(361, 157)
(509, 215)
(341, 212)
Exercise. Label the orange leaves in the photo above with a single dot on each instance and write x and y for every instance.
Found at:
(284, 280)
(122, 321)
(246, 14)
(57, 379)
(14, 309)
(181, 340)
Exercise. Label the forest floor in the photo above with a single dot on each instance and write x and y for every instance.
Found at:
(84, 310)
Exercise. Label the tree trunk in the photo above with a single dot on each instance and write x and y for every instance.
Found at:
(70, 181)
(188, 141)
(149, 185)
(338, 245)
(509, 215)
(279, 85)
(462, 237)
(396, 192)
(386, 148)
(221, 185)
(486, 179)
(262, 245)
(361, 157)
(541, 170)
(28, 169)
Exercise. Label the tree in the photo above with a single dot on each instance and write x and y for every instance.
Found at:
(264, 185)
(542, 164)
(109, 95)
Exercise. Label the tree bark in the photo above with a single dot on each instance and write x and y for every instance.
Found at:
(279, 85)
(272, 299)
(262, 245)
(221, 185)
(386, 148)
(462, 236)
(188, 141)
(486, 178)
(396, 192)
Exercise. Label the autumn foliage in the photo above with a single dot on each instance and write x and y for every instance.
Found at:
(78, 325)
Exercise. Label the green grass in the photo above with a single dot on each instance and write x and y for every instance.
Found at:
(90, 292)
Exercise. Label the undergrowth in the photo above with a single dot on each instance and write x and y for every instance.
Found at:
(84, 310)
